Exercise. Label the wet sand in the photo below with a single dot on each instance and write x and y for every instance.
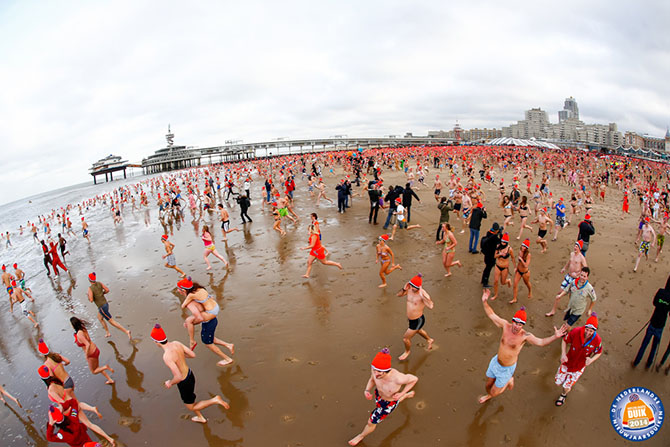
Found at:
(303, 347)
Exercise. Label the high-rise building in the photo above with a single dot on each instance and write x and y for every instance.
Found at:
(570, 110)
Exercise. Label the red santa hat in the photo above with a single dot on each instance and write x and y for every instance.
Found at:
(43, 371)
(91, 277)
(42, 347)
(592, 322)
(416, 281)
(520, 316)
(382, 361)
(164, 237)
(505, 238)
(384, 237)
(56, 414)
(185, 284)
(526, 243)
(580, 244)
(158, 334)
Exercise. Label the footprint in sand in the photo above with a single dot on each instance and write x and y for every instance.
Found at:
(288, 418)
(312, 363)
(291, 360)
(420, 405)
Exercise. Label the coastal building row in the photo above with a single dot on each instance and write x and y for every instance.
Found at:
(569, 131)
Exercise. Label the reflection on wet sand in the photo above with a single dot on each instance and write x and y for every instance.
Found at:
(36, 435)
(477, 428)
(125, 410)
(134, 377)
(239, 403)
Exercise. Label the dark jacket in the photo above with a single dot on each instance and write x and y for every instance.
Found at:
(488, 247)
(661, 307)
(390, 198)
(586, 230)
(407, 197)
(476, 219)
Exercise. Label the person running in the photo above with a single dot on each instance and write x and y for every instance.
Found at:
(16, 296)
(47, 258)
(524, 211)
(582, 295)
(573, 267)
(522, 270)
(391, 387)
(210, 248)
(84, 230)
(66, 429)
(387, 259)
(20, 276)
(91, 351)
(174, 357)
(401, 220)
(55, 259)
(560, 217)
(648, 241)
(664, 225)
(417, 300)
(504, 254)
(450, 242)
(225, 222)
(544, 221)
(586, 230)
(316, 251)
(61, 245)
(499, 375)
(54, 362)
(170, 261)
(96, 294)
(204, 309)
(585, 348)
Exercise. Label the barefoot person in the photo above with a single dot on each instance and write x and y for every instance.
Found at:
(417, 299)
(316, 251)
(450, 242)
(96, 294)
(91, 351)
(204, 309)
(174, 354)
(585, 348)
(387, 383)
(522, 270)
(648, 241)
(20, 276)
(573, 267)
(544, 221)
(16, 296)
(225, 222)
(210, 248)
(386, 258)
(170, 261)
(503, 256)
(502, 365)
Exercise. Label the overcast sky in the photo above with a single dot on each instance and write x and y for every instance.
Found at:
(81, 80)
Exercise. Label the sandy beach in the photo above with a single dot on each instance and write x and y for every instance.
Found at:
(303, 347)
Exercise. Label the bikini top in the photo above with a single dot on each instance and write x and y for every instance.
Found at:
(215, 310)
(76, 342)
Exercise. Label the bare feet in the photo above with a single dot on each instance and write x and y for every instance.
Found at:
(97, 413)
(109, 382)
(549, 314)
(447, 274)
(224, 362)
(193, 345)
(356, 440)
(130, 337)
(231, 348)
(208, 268)
(430, 344)
(305, 276)
(483, 399)
(110, 369)
(404, 355)
(107, 335)
(381, 286)
(222, 402)
(493, 297)
(513, 301)
(199, 419)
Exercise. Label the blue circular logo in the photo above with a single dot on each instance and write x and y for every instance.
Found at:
(637, 414)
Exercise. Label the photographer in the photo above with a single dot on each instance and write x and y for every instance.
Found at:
(244, 203)
(655, 328)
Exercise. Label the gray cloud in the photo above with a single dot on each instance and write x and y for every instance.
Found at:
(82, 80)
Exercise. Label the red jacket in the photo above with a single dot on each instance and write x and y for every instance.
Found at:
(75, 435)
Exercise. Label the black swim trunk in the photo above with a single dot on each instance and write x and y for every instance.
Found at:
(437, 192)
(541, 233)
(417, 324)
(187, 388)
(457, 207)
